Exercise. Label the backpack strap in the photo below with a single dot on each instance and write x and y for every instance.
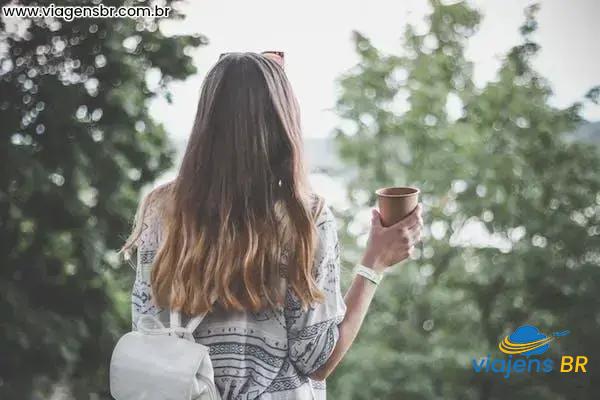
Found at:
(175, 322)
(175, 319)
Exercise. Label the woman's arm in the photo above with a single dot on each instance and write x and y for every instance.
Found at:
(147, 246)
(386, 247)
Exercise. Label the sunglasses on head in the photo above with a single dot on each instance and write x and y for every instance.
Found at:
(277, 56)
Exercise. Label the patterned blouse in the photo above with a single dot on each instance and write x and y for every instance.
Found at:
(266, 355)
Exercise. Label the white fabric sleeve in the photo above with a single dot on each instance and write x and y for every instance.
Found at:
(313, 333)
(147, 246)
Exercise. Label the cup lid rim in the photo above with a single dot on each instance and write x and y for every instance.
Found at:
(380, 191)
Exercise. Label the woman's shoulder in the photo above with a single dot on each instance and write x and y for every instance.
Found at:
(154, 203)
(320, 209)
(147, 221)
(158, 195)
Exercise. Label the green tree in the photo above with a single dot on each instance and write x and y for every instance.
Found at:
(512, 218)
(77, 144)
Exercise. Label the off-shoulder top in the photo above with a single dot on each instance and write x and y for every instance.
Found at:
(265, 355)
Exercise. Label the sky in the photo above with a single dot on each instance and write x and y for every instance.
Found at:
(316, 38)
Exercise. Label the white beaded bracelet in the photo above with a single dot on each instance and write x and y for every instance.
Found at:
(368, 273)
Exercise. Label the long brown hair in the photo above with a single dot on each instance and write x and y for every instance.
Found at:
(240, 207)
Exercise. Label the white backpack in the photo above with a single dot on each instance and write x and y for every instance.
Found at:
(158, 363)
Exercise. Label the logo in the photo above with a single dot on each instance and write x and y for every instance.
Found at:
(527, 340)
(522, 346)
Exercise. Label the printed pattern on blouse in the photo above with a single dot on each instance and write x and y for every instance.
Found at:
(266, 355)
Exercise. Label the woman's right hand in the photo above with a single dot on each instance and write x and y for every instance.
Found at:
(390, 245)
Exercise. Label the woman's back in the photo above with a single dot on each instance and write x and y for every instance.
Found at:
(266, 354)
(239, 224)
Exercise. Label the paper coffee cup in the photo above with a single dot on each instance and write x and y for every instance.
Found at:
(395, 203)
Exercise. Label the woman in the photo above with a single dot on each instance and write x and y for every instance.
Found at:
(240, 235)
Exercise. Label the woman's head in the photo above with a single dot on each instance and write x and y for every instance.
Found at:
(241, 199)
(246, 136)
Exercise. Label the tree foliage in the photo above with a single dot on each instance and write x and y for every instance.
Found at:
(512, 217)
(77, 143)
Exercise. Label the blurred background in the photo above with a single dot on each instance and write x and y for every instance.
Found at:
(490, 107)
